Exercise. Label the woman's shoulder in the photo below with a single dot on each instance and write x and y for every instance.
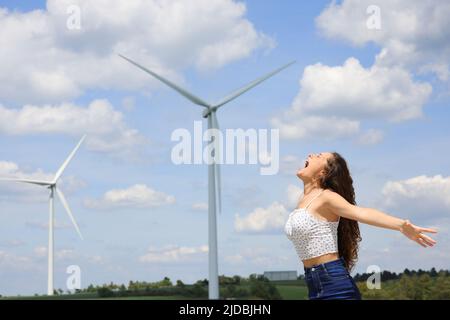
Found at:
(330, 195)
(333, 200)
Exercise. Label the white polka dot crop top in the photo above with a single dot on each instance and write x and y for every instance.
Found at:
(311, 236)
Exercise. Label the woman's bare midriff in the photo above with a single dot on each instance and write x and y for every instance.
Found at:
(319, 260)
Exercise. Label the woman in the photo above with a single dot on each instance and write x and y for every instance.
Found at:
(324, 227)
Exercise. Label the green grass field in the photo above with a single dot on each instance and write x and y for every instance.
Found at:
(292, 290)
(289, 290)
(94, 297)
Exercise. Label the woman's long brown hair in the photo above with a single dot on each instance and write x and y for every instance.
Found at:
(338, 179)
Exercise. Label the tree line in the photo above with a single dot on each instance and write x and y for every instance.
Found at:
(410, 287)
(256, 286)
(387, 275)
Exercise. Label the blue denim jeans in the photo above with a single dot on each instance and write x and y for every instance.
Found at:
(331, 280)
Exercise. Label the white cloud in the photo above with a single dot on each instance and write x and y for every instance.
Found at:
(51, 63)
(353, 91)
(270, 219)
(105, 126)
(316, 127)
(9, 169)
(413, 33)
(333, 101)
(424, 198)
(173, 253)
(262, 220)
(137, 196)
(32, 193)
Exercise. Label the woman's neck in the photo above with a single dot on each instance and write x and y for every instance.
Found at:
(308, 187)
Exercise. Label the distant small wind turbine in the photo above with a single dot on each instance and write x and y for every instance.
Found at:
(213, 168)
(53, 189)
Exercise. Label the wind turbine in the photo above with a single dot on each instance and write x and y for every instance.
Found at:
(213, 168)
(52, 186)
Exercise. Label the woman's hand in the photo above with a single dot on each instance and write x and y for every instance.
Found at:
(415, 233)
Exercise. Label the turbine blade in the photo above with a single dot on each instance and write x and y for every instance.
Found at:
(69, 212)
(249, 86)
(215, 125)
(69, 158)
(183, 92)
(30, 181)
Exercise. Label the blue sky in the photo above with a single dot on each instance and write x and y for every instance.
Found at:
(390, 122)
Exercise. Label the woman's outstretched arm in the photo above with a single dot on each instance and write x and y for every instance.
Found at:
(339, 206)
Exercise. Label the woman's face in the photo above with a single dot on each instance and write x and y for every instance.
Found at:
(314, 165)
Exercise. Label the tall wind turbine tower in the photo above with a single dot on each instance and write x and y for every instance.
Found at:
(214, 185)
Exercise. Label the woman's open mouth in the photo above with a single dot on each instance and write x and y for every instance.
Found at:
(306, 163)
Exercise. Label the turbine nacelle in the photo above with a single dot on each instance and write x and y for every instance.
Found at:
(207, 112)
